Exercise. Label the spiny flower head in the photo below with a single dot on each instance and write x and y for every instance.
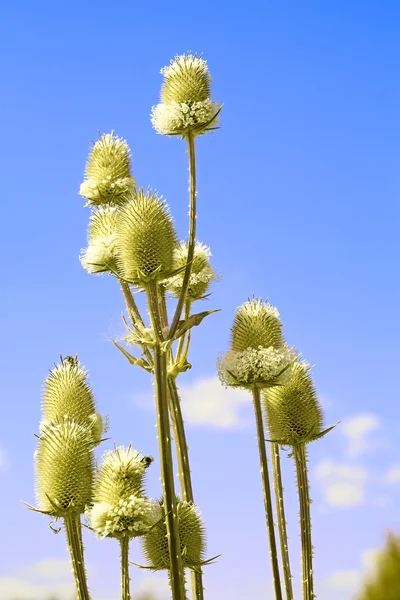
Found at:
(146, 238)
(255, 367)
(67, 391)
(120, 476)
(256, 323)
(64, 466)
(191, 534)
(101, 252)
(294, 414)
(131, 517)
(185, 98)
(108, 172)
(201, 274)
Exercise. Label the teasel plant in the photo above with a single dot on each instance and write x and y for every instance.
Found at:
(64, 463)
(294, 418)
(383, 581)
(258, 359)
(120, 508)
(131, 236)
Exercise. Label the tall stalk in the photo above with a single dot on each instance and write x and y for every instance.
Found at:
(73, 528)
(164, 442)
(300, 457)
(280, 509)
(124, 546)
(267, 493)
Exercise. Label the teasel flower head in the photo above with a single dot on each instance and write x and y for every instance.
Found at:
(64, 466)
(120, 507)
(100, 254)
(108, 178)
(146, 239)
(185, 104)
(293, 412)
(67, 392)
(201, 275)
(256, 323)
(191, 535)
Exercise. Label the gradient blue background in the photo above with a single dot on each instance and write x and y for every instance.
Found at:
(298, 200)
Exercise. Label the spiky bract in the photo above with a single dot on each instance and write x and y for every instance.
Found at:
(384, 581)
(256, 323)
(185, 98)
(146, 239)
(293, 412)
(64, 465)
(191, 535)
(108, 172)
(201, 274)
(255, 367)
(100, 255)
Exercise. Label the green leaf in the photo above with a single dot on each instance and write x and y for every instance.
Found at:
(140, 362)
(192, 321)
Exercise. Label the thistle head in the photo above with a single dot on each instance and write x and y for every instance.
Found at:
(293, 412)
(100, 254)
(185, 98)
(67, 391)
(256, 323)
(201, 274)
(191, 535)
(64, 466)
(146, 239)
(108, 178)
(130, 518)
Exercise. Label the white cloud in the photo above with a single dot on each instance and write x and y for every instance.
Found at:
(15, 588)
(345, 580)
(392, 475)
(357, 430)
(156, 584)
(343, 485)
(49, 568)
(206, 402)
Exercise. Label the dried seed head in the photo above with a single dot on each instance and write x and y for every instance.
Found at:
(186, 79)
(260, 367)
(121, 475)
(146, 238)
(100, 254)
(201, 274)
(256, 324)
(293, 412)
(185, 98)
(108, 172)
(191, 534)
(64, 466)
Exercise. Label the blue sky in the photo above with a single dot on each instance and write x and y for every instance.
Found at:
(298, 201)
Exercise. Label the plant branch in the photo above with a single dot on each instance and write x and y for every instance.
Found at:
(124, 545)
(73, 528)
(134, 315)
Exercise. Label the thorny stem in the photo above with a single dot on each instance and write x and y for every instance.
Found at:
(280, 509)
(134, 315)
(181, 342)
(72, 522)
(192, 233)
(164, 443)
(300, 457)
(184, 582)
(124, 546)
(267, 493)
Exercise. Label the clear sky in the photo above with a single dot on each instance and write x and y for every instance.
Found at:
(298, 201)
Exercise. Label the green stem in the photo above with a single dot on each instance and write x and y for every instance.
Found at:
(73, 528)
(184, 583)
(124, 545)
(267, 493)
(300, 457)
(280, 509)
(192, 234)
(134, 315)
(186, 315)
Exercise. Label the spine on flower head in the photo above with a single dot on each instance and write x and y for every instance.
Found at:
(191, 535)
(120, 507)
(293, 412)
(185, 105)
(201, 274)
(67, 392)
(100, 254)
(146, 239)
(108, 178)
(64, 465)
